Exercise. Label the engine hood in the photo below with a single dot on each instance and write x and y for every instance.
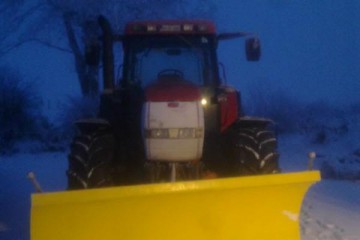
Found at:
(172, 90)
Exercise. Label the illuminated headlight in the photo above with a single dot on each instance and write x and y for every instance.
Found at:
(204, 102)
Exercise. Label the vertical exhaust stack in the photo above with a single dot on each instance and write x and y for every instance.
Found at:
(108, 56)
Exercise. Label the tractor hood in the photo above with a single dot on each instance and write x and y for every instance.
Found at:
(173, 121)
(172, 90)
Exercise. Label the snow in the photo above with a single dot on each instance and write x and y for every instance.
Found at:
(306, 69)
(15, 188)
(331, 209)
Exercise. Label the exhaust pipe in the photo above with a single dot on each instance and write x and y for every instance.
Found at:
(108, 55)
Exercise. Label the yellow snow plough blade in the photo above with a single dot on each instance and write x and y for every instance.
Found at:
(259, 207)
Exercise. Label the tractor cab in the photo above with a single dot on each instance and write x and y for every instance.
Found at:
(158, 50)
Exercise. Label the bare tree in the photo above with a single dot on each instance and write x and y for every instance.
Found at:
(39, 21)
(18, 18)
(79, 19)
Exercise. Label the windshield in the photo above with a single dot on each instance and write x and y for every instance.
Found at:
(148, 56)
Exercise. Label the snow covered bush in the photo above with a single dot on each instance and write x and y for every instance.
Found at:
(324, 123)
(276, 105)
(320, 122)
(342, 168)
(19, 109)
(74, 109)
(56, 136)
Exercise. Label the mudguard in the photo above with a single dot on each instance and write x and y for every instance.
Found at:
(249, 121)
(91, 124)
(247, 208)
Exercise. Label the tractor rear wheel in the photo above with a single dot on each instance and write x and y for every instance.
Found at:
(256, 151)
(90, 160)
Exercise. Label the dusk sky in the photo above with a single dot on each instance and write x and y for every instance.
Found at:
(310, 50)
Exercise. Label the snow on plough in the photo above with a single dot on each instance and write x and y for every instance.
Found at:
(171, 154)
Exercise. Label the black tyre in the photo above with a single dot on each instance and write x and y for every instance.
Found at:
(256, 151)
(90, 160)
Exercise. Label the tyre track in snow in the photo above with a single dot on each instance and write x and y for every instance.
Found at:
(331, 211)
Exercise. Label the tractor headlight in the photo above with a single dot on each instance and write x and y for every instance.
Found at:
(186, 133)
(174, 133)
(204, 102)
(157, 133)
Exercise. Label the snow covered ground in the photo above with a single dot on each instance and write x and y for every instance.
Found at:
(331, 209)
(15, 188)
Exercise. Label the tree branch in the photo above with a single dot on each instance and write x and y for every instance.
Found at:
(22, 17)
(50, 45)
(71, 36)
(7, 49)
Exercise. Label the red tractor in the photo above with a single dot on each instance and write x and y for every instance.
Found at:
(169, 117)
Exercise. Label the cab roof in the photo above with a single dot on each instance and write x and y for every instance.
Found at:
(170, 27)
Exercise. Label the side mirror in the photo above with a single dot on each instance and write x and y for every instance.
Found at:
(253, 49)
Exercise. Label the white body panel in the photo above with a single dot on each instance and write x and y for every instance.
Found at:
(184, 115)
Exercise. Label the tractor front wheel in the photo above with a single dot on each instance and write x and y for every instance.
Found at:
(256, 151)
(90, 160)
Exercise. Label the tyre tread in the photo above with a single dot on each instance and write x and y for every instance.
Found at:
(257, 151)
(90, 160)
